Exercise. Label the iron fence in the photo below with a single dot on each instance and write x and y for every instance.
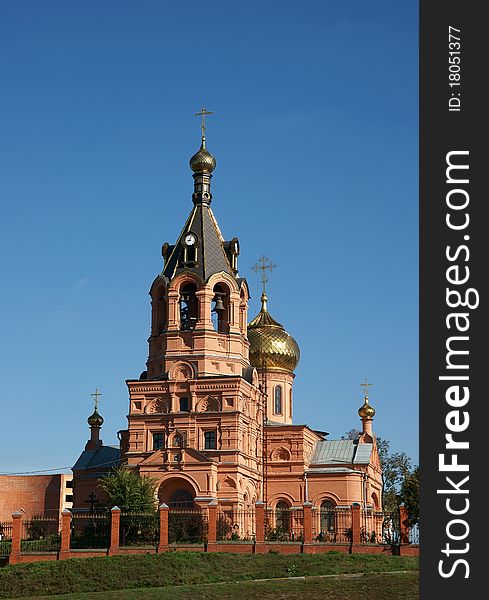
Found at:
(188, 525)
(90, 530)
(284, 525)
(235, 524)
(391, 534)
(414, 534)
(139, 529)
(332, 525)
(371, 526)
(40, 534)
(5, 537)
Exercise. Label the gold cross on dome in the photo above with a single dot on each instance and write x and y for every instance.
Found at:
(96, 394)
(264, 264)
(203, 112)
(365, 387)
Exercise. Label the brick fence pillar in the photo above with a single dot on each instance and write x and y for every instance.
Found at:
(115, 523)
(259, 547)
(212, 531)
(163, 542)
(16, 537)
(307, 522)
(403, 525)
(64, 551)
(355, 523)
(259, 522)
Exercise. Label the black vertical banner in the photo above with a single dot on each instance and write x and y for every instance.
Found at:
(454, 356)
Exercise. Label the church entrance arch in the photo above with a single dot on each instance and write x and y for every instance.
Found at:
(177, 492)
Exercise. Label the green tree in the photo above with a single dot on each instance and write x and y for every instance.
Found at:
(410, 495)
(130, 492)
(395, 468)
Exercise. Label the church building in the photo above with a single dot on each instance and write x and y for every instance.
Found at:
(211, 419)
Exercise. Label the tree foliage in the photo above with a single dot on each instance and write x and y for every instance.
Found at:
(410, 495)
(130, 492)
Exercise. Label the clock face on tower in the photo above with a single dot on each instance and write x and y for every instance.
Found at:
(190, 239)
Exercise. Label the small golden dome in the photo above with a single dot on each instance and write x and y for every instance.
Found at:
(271, 347)
(202, 161)
(95, 420)
(366, 411)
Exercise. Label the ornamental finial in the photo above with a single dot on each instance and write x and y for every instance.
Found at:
(203, 113)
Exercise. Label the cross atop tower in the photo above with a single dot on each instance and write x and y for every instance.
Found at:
(264, 264)
(96, 394)
(365, 386)
(203, 113)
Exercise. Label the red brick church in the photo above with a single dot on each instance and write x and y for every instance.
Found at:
(211, 419)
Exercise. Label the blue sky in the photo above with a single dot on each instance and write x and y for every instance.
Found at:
(315, 134)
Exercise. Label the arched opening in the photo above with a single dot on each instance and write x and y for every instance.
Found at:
(188, 307)
(177, 493)
(282, 517)
(220, 308)
(327, 518)
(277, 401)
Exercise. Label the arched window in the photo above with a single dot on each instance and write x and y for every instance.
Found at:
(277, 405)
(188, 307)
(327, 514)
(181, 499)
(282, 516)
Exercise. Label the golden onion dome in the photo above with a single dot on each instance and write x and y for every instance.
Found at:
(95, 420)
(202, 161)
(366, 411)
(271, 347)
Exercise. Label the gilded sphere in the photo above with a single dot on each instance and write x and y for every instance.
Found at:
(202, 161)
(366, 411)
(95, 420)
(271, 347)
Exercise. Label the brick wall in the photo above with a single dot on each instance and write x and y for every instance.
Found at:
(36, 494)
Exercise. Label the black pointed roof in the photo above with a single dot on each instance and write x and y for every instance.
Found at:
(211, 254)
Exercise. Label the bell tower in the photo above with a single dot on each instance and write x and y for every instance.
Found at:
(196, 413)
(199, 303)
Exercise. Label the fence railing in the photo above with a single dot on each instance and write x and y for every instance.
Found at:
(390, 528)
(414, 534)
(90, 530)
(235, 525)
(284, 525)
(5, 537)
(187, 525)
(139, 529)
(333, 526)
(40, 534)
(114, 531)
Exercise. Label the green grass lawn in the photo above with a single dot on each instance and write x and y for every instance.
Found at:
(183, 575)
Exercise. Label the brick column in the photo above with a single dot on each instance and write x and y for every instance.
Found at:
(403, 524)
(355, 523)
(260, 522)
(259, 527)
(307, 522)
(64, 551)
(163, 543)
(212, 531)
(16, 537)
(115, 522)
